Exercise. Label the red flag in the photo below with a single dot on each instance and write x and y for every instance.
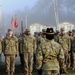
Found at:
(22, 27)
(16, 22)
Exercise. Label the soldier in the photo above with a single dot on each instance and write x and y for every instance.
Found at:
(42, 37)
(64, 40)
(10, 47)
(29, 48)
(0, 47)
(73, 51)
(21, 49)
(35, 34)
(56, 34)
(71, 55)
(48, 55)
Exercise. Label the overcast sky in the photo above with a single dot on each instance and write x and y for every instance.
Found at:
(9, 6)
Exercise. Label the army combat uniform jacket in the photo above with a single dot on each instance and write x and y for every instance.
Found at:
(48, 55)
(29, 44)
(64, 41)
(10, 45)
(0, 46)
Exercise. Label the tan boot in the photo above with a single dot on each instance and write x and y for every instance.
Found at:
(26, 73)
(73, 68)
(12, 73)
(8, 72)
(30, 73)
(64, 71)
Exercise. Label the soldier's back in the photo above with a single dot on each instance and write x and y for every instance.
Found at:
(51, 50)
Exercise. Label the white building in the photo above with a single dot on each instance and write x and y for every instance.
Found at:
(66, 26)
(36, 28)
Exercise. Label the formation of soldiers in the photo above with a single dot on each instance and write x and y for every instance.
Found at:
(48, 52)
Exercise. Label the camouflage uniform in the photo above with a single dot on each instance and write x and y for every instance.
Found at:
(0, 49)
(0, 46)
(42, 37)
(29, 48)
(73, 52)
(10, 49)
(64, 41)
(21, 50)
(48, 56)
(70, 53)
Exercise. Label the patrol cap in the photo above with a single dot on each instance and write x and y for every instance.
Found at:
(50, 31)
(62, 29)
(27, 30)
(9, 30)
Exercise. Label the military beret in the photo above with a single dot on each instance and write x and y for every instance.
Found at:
(9, 30)
(50, 31)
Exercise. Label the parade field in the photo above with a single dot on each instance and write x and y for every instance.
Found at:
(19, 70)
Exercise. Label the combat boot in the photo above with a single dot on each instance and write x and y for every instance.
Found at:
(8, 72)
(30, 73)
(64, 71)
(12, 73)
(26, 73)
(73, 68)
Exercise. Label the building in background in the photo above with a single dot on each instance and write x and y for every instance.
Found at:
(36, 28)
(66, 26)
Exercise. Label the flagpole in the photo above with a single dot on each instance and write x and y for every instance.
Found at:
(12, 23)
(56, 13)
(22, 30)
(26, 19)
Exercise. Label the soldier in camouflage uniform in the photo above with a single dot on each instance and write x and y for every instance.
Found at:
(73, 51)
(42, 37)
(10, 47)
(0, 48)
(21, 49)
(48, 55)
(56, 34)
(29, 49)
(71, 55)
(64, 40)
